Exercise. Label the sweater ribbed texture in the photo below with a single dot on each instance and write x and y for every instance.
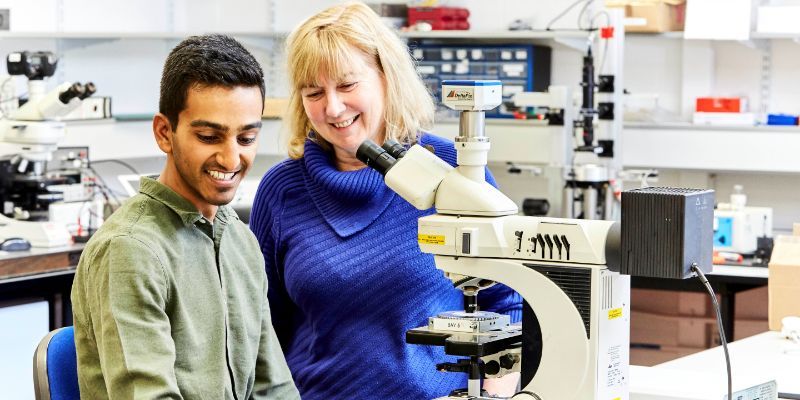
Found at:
(347, 279)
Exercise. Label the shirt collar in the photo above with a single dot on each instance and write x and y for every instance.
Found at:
(185, 210)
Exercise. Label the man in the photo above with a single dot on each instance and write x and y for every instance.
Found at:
(169, 298)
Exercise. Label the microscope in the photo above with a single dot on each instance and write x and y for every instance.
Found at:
(573, 274)
(588, 193)
(29, 135)
(590, 175)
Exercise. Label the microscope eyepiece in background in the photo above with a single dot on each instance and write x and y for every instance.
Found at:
(374, 156)
(76, 90)
(88, 89)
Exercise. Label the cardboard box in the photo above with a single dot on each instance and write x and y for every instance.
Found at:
(784, 280)
(669, 330)
(778, 19)
(649, 357)
(667, 302)
(752, 304)
(742, 328)
(659, 15)
(721, 104)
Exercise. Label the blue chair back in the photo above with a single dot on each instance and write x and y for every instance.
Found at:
(55, 366)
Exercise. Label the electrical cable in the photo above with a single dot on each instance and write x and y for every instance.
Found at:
(123, 163)
(699, 273)
(563, 13)
(605, 41)
(104, 187)
(583, 11)
(534, 395)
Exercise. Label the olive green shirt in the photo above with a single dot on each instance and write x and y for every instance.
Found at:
(169, 305)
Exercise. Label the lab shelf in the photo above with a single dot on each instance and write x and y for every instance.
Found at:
(112, 139)
(489, 35)
(663, 35)
(572, 39)
(679, 146)
(711, 148)
(679, 35)
(127, 35)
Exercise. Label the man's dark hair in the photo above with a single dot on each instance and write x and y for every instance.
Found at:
(208, 60)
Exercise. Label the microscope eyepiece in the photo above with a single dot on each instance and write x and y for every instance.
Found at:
(394, 148)
(374, 156)
(76, 90)
(89, 89)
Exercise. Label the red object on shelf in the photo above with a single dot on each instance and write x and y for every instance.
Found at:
(721, 104)
(440, 18)
(607, 32)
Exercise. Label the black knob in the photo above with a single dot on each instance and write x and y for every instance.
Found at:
(507, 361)
(491, 367)
(535, 207)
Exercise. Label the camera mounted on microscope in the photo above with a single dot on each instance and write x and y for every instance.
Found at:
(35, 65)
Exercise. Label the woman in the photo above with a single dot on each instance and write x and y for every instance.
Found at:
(347, 278)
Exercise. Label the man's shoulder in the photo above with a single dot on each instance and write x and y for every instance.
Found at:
(140, 222)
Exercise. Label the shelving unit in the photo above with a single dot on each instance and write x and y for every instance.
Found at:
(712, 148)
(571, 39)
(128, 35)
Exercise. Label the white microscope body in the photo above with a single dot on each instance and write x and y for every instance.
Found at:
(29, 136)
(35, 128)
(574, 340)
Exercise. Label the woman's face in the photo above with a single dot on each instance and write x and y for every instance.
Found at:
(347, 111)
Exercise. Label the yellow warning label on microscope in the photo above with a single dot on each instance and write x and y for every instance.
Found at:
(430, 239)
(614, 313)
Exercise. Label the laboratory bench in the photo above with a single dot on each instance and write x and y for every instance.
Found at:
(758, 358)
(48, 273)
(41, 273)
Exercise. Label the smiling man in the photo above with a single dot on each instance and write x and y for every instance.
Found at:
(170, 295)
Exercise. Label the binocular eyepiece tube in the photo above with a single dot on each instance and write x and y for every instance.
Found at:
(77, 90)
(379, 158)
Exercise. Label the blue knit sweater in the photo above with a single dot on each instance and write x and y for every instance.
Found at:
(347, 279)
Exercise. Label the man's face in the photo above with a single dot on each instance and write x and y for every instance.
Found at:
(214, 144)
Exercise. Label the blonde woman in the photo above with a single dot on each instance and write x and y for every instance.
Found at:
(346, 276)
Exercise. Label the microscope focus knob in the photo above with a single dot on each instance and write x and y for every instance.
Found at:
(507, 361)
(491, 367)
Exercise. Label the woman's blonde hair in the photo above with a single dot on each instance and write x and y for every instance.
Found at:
(323, 44)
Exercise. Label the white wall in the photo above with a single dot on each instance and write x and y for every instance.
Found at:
(653, 65)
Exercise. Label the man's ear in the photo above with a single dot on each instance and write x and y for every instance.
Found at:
(162, 130)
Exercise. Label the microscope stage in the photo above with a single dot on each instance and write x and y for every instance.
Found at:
(462, 321)
(467, 343)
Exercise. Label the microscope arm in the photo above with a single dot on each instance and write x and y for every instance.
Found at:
(563, 333)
